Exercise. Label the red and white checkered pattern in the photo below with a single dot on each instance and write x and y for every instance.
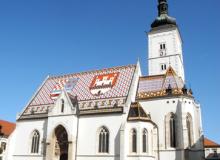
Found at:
(82, 87)
(60, 85)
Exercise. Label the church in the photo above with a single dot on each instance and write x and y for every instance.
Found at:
(116, 113)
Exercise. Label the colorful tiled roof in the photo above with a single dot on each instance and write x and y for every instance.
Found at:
(86, 86)
(156, 86)
(6, 128)
(210, 144)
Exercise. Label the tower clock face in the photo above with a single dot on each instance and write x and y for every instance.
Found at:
(162, 52)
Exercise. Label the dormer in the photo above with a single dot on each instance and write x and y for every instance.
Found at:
(65, 104)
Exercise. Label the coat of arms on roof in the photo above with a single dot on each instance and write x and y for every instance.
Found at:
(63, 84)
(103, 83)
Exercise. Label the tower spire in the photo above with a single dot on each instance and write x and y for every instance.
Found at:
(162, 7)
(163, 17)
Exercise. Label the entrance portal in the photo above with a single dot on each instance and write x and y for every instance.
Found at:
(61, 144)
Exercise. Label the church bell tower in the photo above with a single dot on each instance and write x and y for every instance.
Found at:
(165, 44)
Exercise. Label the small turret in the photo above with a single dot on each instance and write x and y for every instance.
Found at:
(184, 90)
(169, 90)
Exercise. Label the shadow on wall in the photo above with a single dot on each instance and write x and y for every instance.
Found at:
(117, 146)
(192, 152)
(179, 154)
(196, 150)
(44, 146)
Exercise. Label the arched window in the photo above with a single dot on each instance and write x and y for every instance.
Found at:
(189, 129)
(103, 140)
(133, 140)
(172, 131)
(62, 105)
(3, 146)
(35, 142)
(145, 141)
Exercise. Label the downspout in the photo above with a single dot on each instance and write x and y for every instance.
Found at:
(77, 115)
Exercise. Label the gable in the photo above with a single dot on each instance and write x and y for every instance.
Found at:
(155, 86)
(64, 104)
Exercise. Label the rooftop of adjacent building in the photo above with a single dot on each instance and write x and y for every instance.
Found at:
(210, 144)
(6, 128)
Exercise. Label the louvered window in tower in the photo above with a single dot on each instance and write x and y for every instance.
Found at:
(162, 50)
(163, 67)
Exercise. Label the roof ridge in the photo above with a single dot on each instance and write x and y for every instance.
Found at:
(90, 71)
(33, 96)
(152, 76)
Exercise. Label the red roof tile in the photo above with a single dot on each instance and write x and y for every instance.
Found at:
(7, 127)
(210, 144)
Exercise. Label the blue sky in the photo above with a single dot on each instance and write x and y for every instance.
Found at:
(51, 37)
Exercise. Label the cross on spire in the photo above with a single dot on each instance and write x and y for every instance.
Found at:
(162, 7)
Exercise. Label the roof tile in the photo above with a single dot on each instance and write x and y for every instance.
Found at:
(7, 127)
(86, 86)
(210, 144)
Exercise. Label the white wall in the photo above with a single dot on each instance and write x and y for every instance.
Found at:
(20, 140)
(152, 141)
(174, 57)
(211, 150)
(88, 136)
(180, 106)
